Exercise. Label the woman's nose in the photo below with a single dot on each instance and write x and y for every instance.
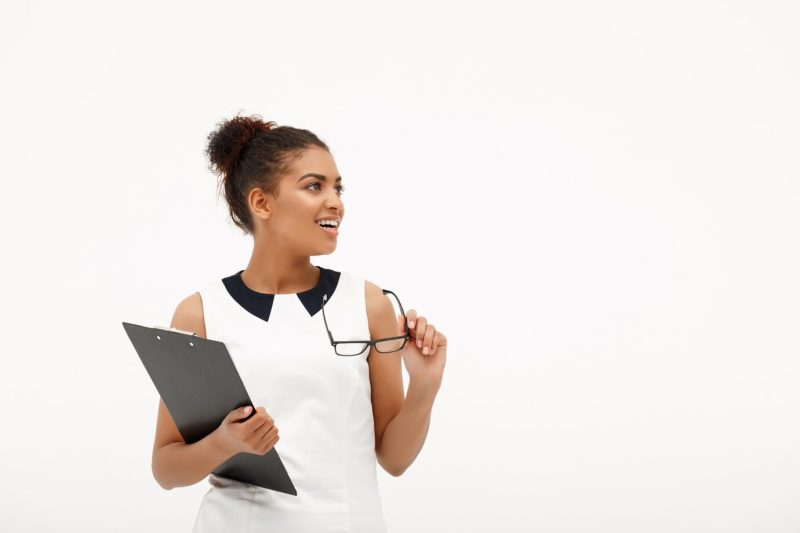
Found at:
(334, 200)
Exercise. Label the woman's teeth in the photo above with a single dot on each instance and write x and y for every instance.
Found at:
(329, 226)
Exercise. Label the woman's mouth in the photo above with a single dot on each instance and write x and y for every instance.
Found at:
(334, 231)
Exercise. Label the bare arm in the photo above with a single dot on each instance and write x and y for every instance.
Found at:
(401, 424)
(175, 463)
(406, 433)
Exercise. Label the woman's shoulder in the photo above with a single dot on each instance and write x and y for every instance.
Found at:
(380, 311)
(188, 315)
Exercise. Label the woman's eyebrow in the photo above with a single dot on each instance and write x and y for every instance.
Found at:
(320, 176)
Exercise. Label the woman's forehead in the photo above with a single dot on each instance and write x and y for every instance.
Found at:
(316, 161)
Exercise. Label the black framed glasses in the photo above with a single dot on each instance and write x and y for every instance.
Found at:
(384, 345)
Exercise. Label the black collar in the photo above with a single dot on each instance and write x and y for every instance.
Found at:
(260, 304)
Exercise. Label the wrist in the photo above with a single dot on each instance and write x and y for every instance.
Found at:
(425, 388)
(218, 445)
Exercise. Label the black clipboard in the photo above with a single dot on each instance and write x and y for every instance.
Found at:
(200, 385)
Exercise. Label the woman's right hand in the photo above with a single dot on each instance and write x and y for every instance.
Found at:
(257, 434)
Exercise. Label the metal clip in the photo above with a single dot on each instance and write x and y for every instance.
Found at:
(175, 330)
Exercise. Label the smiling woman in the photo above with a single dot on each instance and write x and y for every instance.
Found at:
(339, 417)
(248, 152)
(268, 193)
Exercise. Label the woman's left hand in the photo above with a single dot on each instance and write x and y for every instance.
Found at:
(425, 352)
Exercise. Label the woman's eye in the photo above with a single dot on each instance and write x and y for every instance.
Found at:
(340, 187)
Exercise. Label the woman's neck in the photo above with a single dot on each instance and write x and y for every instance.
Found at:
(273, 274)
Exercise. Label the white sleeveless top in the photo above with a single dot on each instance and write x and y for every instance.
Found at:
(320, 402)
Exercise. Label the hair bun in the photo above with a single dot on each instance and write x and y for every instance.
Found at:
(227, 142)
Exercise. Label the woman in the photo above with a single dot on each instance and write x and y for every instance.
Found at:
(338, 415)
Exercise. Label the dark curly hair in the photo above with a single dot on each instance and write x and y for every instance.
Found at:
(247, 152)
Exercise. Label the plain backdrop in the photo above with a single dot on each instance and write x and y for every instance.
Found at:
(596, 202)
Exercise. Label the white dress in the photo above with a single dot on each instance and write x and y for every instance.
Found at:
(320, 402)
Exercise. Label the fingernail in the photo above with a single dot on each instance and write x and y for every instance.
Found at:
(411, 324)
(425, 350)
(419, 344)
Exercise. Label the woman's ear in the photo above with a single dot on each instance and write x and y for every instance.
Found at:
(260, 203)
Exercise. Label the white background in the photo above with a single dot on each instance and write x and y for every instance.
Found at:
(596, 202)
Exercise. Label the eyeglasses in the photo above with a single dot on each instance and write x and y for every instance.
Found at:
(384, 345)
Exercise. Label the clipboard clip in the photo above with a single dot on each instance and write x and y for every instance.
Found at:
(175, 330)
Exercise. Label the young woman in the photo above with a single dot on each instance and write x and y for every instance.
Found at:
(339, 411)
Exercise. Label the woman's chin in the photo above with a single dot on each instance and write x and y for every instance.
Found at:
(326, 250)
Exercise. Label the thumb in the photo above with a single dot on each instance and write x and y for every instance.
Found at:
(238, 414)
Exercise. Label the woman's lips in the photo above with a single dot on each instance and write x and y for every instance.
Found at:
(331, 231)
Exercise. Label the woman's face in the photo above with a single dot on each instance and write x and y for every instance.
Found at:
(310, 191)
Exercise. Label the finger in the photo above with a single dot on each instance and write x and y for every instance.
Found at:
(258, 420)
(270, 444)
(266, 438)
(419, 330)
(412, 317)
(240, 414)
(266, 433)
(252, 433)
(438, 340)
(427, 341)
(259, 416)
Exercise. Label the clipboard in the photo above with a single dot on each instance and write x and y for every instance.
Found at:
(200, 385)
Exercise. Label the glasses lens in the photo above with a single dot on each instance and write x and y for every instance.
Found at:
(391, 345)
(351, 348)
